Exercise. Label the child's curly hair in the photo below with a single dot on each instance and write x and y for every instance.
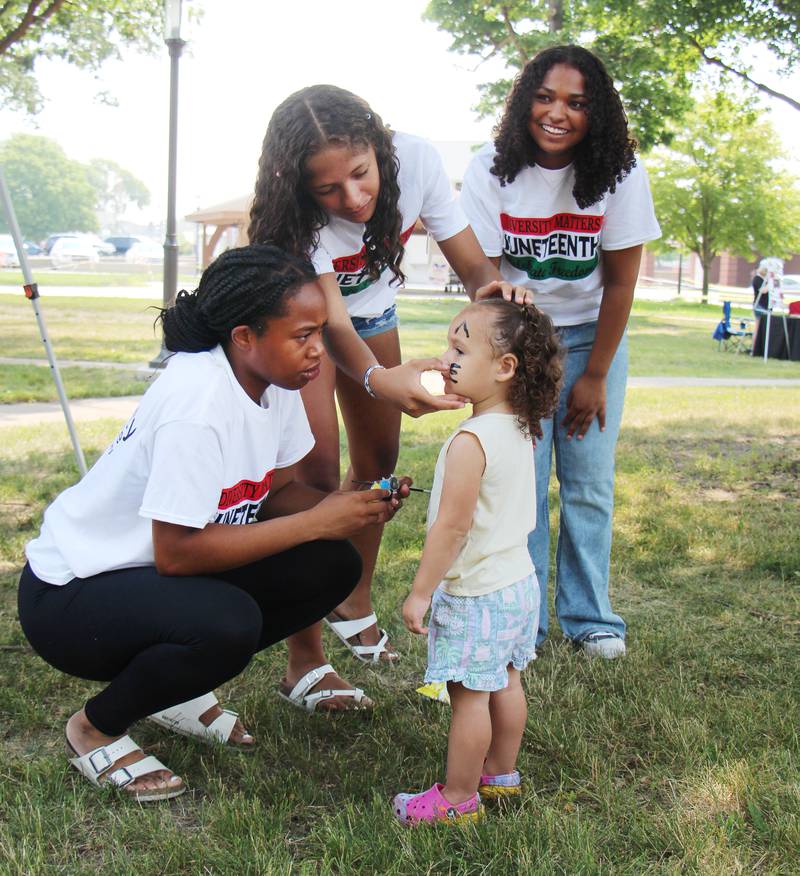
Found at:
(531, 336)
(284, 213)
(606, 154)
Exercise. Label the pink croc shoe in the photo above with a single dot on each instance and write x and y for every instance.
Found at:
(506, 788)
(431, 806)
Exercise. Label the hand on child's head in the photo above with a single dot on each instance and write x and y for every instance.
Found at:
(506, 290)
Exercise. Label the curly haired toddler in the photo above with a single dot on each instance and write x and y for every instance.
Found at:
(475, 573)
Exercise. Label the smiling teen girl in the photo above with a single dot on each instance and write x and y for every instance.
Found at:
(336, 184)
(142, 576)
(562, 205)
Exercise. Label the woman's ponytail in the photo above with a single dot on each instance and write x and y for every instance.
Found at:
(243, 286)
(185, 330)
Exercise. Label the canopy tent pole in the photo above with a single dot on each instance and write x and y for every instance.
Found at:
(32, 294)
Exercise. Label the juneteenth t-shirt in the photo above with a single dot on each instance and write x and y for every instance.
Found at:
(547, 242)
(425, 194)
(197, 450)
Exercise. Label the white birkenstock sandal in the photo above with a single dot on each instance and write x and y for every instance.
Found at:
(97, 766)
(300, 697)
(346, 629)
(185, 719)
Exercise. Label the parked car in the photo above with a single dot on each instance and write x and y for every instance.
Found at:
(122, 243)
(102, 246)
(31, 248)
(47, 246)
(8, 252)
(70, 250)
(144, 252)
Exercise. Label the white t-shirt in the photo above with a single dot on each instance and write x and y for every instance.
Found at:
(197, 450)
(495, 553)
(547, 242)
(425, 194)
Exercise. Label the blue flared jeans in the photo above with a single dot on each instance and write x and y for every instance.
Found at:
(585, 472)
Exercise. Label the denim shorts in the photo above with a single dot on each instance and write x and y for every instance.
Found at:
(367, 326)
(473, 639)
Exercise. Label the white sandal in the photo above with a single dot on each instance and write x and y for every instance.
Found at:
(346, 629)
(185, 719)
(97, 766)
(300, 697)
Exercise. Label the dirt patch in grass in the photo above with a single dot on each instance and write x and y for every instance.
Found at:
(727, 470)
(717, 495)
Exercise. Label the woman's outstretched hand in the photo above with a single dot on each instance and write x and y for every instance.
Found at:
(502, 289)
(402, 387)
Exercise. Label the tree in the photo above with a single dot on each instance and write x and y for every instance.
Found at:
(719, 186)
(82, 32)
(116, 189)
(49, 191)
(653, 48)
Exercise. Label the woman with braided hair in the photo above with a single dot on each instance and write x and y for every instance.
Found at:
(561, 204)
(339, 186)
(143, 577)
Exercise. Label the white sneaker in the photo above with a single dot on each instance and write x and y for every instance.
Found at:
(603, 645)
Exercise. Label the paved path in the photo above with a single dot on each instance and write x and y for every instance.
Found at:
(120, 408)
(33, 413)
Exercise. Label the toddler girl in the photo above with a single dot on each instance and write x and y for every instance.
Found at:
(475, 564)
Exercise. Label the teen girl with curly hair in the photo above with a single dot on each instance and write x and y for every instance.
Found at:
(475, 573)
(561, 204)
(337, 184)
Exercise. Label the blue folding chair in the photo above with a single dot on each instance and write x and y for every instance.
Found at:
(730, 338)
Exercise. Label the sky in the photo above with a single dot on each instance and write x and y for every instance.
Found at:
(243, 58)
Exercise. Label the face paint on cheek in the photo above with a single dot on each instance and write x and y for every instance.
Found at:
(453, 370)
(462, 325)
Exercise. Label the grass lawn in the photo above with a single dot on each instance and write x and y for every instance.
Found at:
(34, 383)
(46, 278)
(99, 329)
(671, 339)
(682, 758)
(665, 339)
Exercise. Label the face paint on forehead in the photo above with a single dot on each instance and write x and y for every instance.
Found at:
(462, 325)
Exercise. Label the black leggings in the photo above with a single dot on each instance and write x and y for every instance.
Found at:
(163, 640)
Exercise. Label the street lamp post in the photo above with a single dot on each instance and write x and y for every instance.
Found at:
(172, 37)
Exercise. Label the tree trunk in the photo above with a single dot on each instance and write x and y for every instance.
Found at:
(555, 15)
(706, 271)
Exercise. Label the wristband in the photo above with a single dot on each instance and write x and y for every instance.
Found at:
(367, 373)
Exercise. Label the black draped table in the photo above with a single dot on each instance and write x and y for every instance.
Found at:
(777, 337)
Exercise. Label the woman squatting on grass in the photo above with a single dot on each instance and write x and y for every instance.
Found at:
(143, 575)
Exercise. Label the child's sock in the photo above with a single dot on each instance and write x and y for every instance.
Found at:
(501, 786)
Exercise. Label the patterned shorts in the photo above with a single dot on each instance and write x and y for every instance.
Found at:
(473, 639)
